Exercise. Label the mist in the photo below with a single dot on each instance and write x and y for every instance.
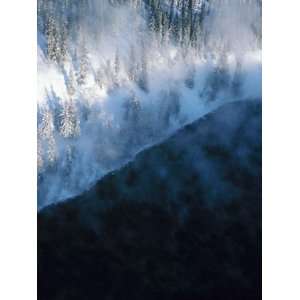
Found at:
(112, 81)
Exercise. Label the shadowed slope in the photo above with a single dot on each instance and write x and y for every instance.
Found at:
(182, 221)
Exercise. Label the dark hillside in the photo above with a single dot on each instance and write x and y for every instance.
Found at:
(182, 221)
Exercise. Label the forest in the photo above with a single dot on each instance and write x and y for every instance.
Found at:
(116, 77)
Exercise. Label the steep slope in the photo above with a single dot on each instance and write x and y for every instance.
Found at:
(115, 76)
(182, 221)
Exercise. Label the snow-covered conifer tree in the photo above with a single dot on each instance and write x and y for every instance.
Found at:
(46, 135)
(132, 72)
(71, 83)
(84, 63)
(99, 78)
(69, 120)
(143, 75)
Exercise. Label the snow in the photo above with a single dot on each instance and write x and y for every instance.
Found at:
(69, 163)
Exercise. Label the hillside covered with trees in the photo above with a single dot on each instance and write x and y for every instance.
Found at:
(181, 221)
(116, 77)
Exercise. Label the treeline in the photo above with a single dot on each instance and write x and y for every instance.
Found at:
(178, 21)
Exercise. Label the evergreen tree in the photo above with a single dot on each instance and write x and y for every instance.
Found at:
(132, 71)
(63, 41)
(69, 120)
(116, 68)
(117, 63)
(191, 17)
(71, 83)
(143, 76)
(183, 23)
(46, 134)
(132, 118)
(99, 78)
(190, 79)
(176, 29)
(151, 15)
(237, 80)
(132, 108)
(171, 14)
(52, 39)
(164, 28)
(169, 106)
(83, 64)
(69, 157)
(109, 74)
(40, 161)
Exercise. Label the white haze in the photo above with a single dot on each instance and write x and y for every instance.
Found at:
(183, 84)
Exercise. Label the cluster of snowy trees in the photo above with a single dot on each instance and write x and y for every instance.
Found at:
(69, 26)
(179, 21)
(77, 142)
(62, 122)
